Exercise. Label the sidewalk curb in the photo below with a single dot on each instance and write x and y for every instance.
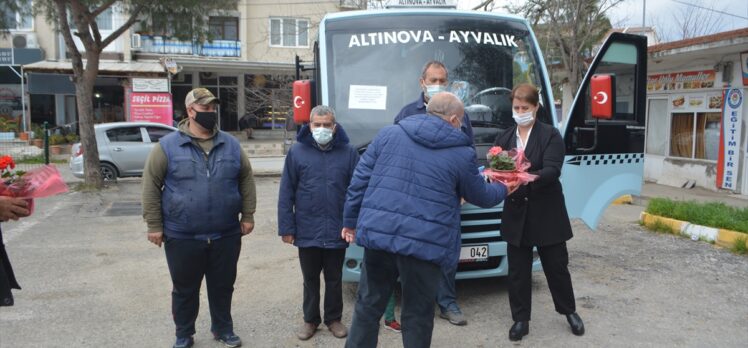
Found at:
(625, 199)
(720, 236)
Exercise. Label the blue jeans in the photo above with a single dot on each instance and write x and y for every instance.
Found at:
(379, 273)
(446, 298)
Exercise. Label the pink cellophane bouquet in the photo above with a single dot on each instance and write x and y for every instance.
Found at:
(39, 182)
(508, 167)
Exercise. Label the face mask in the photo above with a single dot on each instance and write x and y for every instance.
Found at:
(432, 90)
(322, 135)
(523, 119)
(207, 119)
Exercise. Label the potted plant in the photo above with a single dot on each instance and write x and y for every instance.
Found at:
(55, 143)
(38, 135)
(7, 129)
(71, 139)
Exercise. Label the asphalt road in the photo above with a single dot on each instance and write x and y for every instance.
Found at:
(91, 279)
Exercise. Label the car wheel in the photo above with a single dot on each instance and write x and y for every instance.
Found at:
(108, 172)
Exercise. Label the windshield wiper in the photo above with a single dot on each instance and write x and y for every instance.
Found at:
(485, 124)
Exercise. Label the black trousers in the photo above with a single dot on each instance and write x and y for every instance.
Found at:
(330, 262)
(555, 260)
(189, 260)
(379, 272)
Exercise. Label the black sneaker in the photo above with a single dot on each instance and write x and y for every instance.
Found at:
(229, 340)
(184, 342)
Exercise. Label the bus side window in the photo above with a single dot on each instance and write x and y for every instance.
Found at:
(620, 62)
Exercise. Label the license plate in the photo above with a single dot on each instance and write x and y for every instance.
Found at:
(474, 253)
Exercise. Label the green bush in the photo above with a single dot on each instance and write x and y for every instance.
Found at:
(38, 131)
(712, 214)
(56, 139)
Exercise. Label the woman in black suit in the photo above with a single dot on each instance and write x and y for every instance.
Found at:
(535, 216)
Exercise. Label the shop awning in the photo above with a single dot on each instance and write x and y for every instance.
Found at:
(106, 68)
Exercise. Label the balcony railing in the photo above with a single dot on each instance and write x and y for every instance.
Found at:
(215, 48)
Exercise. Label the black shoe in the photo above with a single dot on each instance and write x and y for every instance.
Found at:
(184, 342)
(577, 326)
(518, 330)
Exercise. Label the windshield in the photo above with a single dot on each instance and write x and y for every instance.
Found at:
(374, 64)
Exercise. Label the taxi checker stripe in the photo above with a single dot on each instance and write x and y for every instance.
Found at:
(588, 160)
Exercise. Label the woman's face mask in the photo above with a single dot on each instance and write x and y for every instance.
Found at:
(523, 119)
(523, 112)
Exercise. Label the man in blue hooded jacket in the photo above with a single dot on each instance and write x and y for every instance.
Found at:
(315, 177)
(434, 79)
(403, 208)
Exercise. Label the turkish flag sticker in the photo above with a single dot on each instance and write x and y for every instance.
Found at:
(601, 96)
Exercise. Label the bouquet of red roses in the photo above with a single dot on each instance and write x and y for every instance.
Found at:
(36, 183)
(508, 167)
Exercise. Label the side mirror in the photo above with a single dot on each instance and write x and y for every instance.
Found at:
(602, 96)
(302, 101)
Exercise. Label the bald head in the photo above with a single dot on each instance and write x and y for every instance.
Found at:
(446, 105)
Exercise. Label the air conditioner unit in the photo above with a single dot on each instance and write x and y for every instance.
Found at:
(25, 40)
(135, 41)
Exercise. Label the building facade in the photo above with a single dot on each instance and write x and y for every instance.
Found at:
(695, 114)
(248, 63)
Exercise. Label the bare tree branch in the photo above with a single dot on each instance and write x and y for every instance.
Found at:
(96, 12)
(130, 21)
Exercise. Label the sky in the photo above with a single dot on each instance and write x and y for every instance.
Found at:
(664, 14)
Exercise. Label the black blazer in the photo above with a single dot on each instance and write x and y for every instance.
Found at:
(7, 279)
(535, 214)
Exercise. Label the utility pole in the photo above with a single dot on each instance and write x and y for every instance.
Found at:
(644, 13)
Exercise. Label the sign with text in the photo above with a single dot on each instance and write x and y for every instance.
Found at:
(151, 107)
(681, 81)
(729, 139)
(422, 3)
(150, 85)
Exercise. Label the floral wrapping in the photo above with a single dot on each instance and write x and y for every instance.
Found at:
(508, 167)
(36, 183)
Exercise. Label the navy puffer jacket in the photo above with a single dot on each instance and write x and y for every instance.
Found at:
(312, 190)
(404, 197)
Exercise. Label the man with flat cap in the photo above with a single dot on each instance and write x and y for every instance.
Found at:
(199, 200)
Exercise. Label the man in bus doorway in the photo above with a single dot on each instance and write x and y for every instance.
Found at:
(434, 79)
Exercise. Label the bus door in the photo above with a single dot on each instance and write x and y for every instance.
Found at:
(605, 157)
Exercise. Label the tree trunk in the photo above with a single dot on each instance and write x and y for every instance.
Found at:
(84, 100)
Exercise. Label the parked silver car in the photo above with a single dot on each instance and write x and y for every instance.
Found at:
(123, 148)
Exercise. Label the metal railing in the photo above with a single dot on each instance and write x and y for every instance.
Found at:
(24, 151)
(166, 45)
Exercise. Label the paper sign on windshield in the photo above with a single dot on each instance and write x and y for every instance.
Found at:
(367, 97)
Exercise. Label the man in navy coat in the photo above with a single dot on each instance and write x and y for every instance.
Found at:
(315, 177)
(403, 208)
(434, 79)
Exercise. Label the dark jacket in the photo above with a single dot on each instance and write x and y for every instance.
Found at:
(404, 197)
(201, 197)
(7, 279)
(312, 190)
(418, 107)
(535, 214)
